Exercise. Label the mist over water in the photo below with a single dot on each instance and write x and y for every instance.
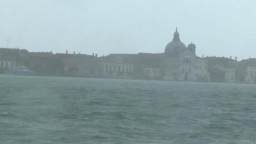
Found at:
(46, 110)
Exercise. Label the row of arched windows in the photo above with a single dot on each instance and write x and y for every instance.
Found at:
(118, 68)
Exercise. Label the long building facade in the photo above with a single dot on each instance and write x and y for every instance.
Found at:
(178, 62)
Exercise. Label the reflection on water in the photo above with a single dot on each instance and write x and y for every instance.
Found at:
(67, 110)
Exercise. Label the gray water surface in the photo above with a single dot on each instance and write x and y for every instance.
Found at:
(48, 110)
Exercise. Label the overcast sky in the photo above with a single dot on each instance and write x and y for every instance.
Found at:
(217, 27)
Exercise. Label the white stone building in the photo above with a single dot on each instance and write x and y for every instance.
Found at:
(230, 75)
(182, 64)
(117, 70)
(250, 75)
(178, 63)
(152, 73)
(6, 64)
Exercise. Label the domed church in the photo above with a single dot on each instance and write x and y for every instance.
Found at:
(176, 46)
(178, 63)
(181, 62)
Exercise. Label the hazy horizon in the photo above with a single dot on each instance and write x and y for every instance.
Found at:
(218, 28)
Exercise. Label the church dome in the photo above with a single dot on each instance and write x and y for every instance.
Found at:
(175, 46)
(192, 46)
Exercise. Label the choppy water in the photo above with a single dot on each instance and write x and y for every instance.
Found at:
(36, 110)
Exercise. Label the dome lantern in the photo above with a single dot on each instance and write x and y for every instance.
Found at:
(176, 36)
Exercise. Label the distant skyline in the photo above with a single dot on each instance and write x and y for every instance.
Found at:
(217, 27)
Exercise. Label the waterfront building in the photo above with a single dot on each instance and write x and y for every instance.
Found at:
(5, 64)
(117, 66)
(250, 75)
(181, 62)
(13, 57)
(222, 69)
(247, 71)
(152, 73)
(178, 62)
(230, 75)
(117, 70)
(79, 65)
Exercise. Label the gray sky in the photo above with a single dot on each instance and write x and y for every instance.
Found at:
(217, 27)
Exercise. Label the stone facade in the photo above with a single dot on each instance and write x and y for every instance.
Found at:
(117, 70)
(178, 62)
(230, 75)
(250, 75)
(5, 64)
